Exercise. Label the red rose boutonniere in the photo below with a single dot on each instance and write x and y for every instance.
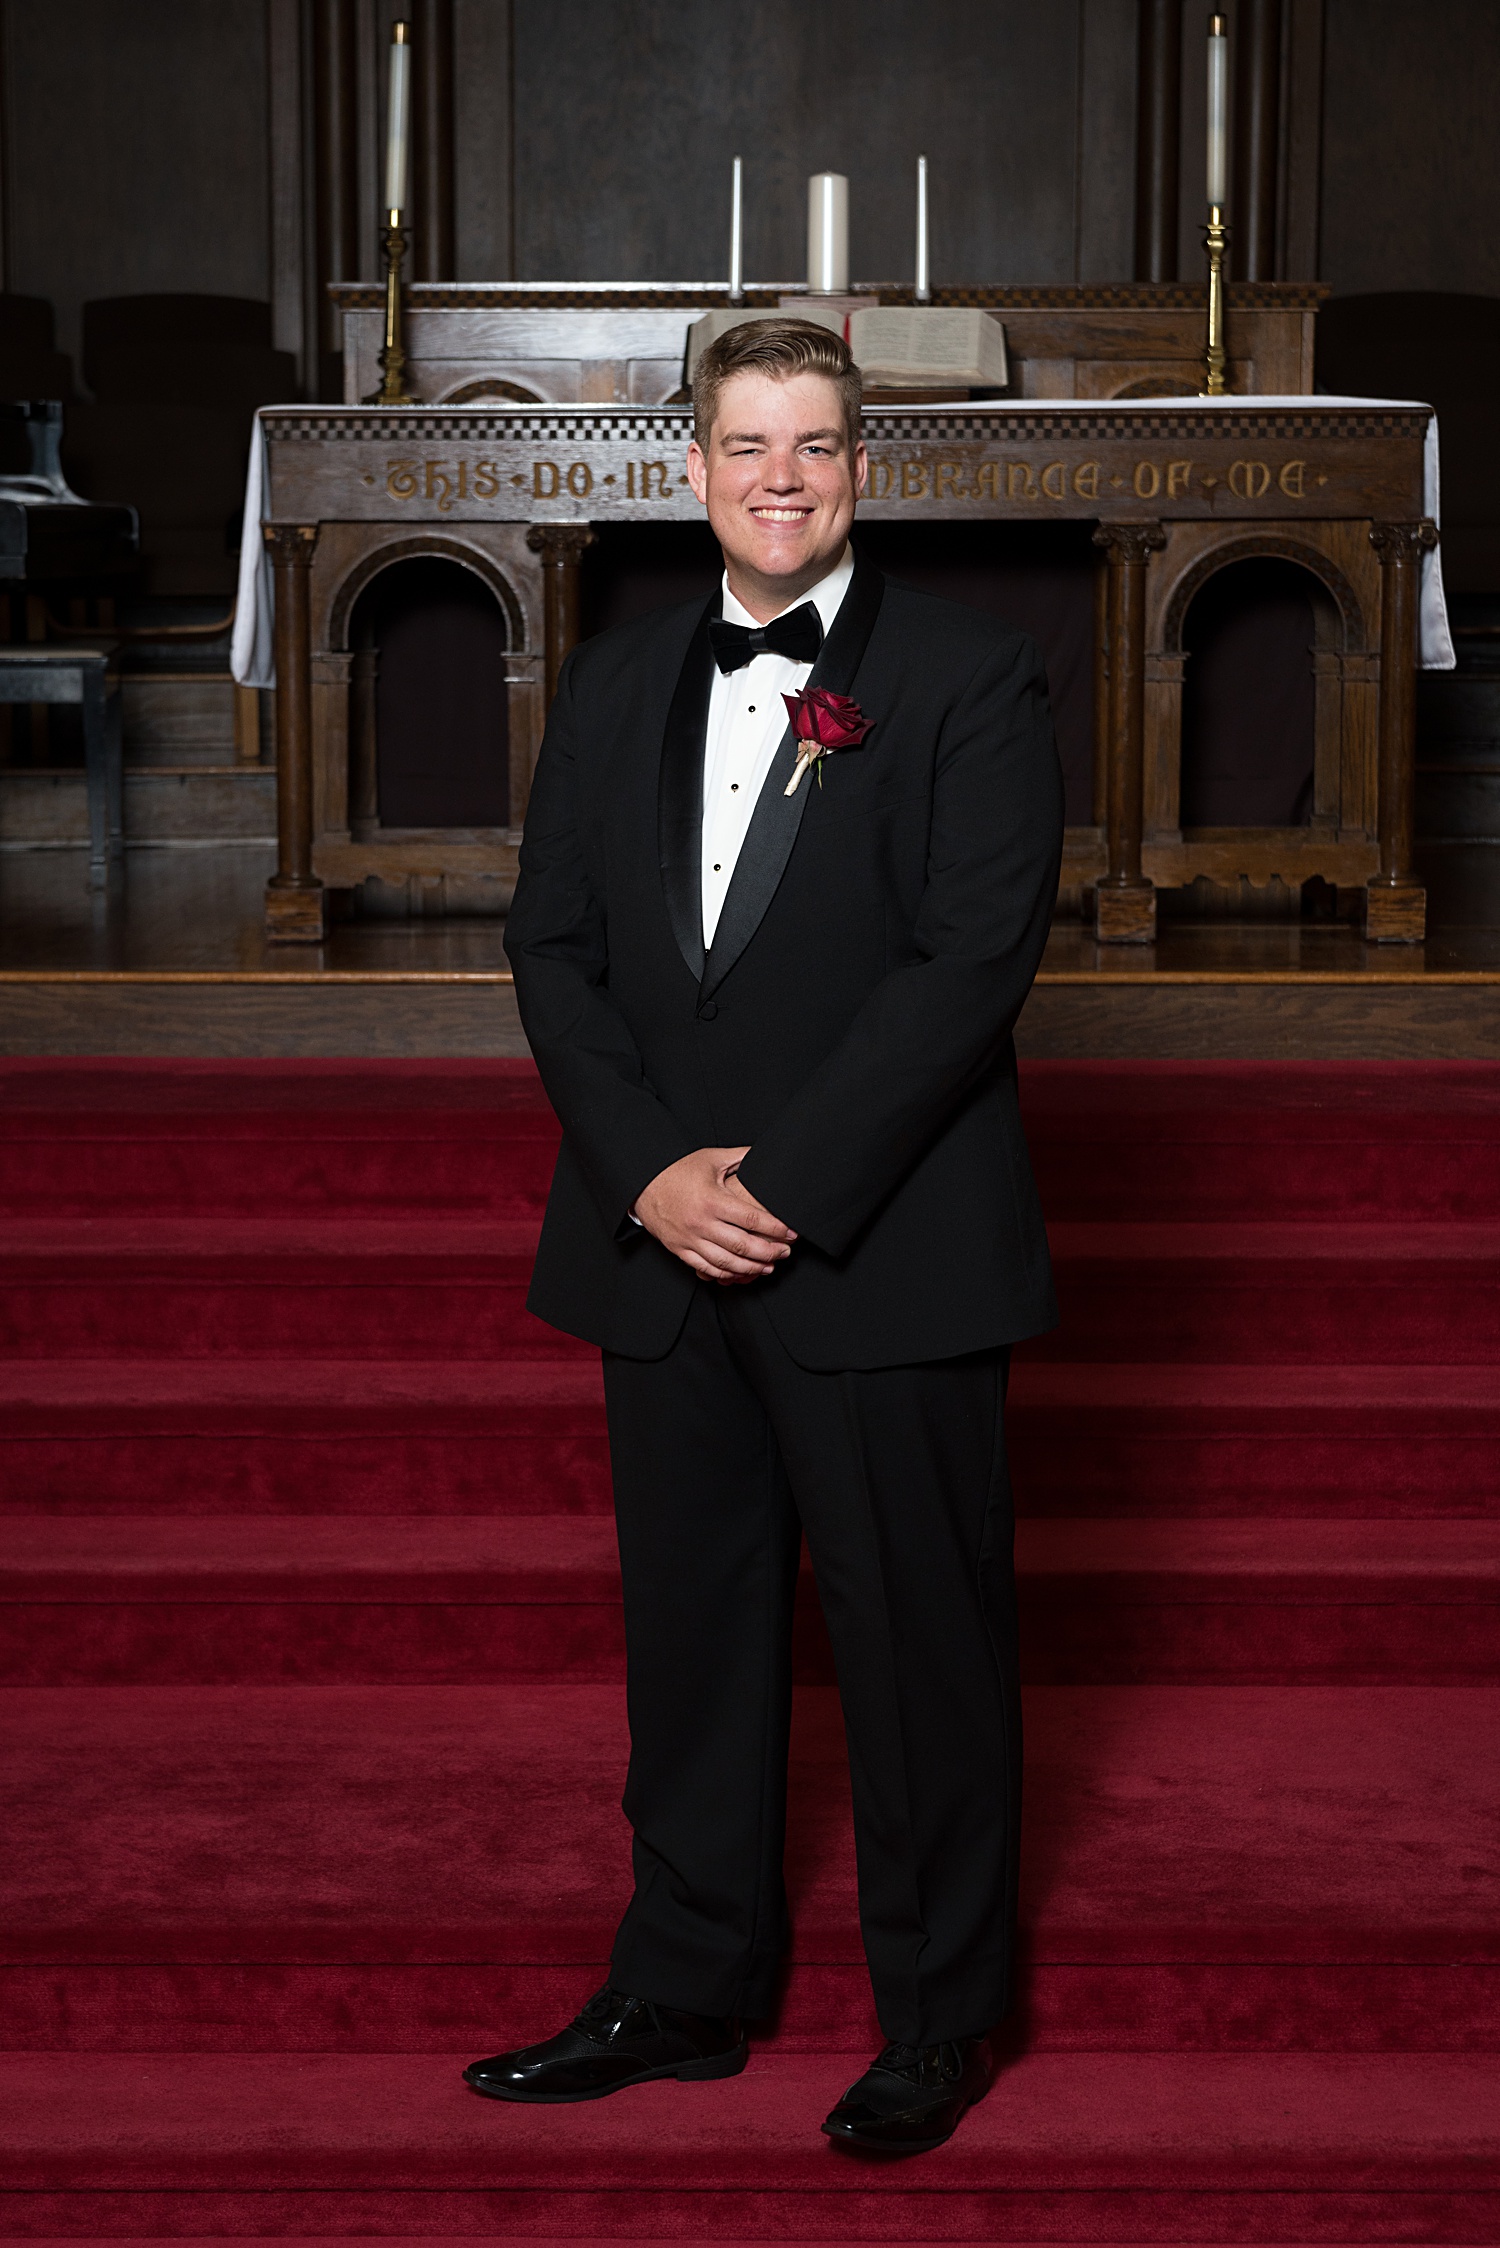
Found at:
(822, 723)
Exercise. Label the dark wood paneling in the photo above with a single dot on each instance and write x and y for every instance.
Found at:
(335, 77)
(138, 150)
(432, 140)
(626, 119)
(1411, 157)
(482, 140)
(1257, 122)
(1158, 140)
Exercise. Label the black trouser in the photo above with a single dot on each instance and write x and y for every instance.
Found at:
(724, 1452)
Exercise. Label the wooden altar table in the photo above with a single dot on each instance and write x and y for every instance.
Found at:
(1177, 489)
(622, 342)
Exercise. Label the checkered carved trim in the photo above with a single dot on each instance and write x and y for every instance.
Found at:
(669, 425)
(454, 425)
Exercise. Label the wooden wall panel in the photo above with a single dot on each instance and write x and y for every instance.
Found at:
(1411, 156)
(626, 119)
(482, 140)
(137, 154)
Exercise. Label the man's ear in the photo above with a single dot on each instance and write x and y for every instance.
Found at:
(861, 470)
(697, 468)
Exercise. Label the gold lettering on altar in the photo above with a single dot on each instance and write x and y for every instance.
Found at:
(948, 474)
(401, 480)
(882, 478)
(1179, 477)
(546, 480)
(914, 480)
(580, 480)
(1147, 480)
(1020, 481)
(638, 480)
(1249, 480)
(987, 481)
(486, 481)
(1293, 478)
(1086, 480)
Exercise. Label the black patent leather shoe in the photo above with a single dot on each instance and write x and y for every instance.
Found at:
(912, 2097)
(616, 2040)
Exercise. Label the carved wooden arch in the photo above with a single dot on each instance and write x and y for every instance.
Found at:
(490, 386)
(426, 548)
(1259, 547)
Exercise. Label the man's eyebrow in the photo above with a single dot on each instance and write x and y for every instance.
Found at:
(758, 436)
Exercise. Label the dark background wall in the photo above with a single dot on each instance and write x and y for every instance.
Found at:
(164, 145)
(155, 149)
(136, 150)
(1411, 150)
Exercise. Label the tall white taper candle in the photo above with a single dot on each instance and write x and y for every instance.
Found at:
(398, 119)
(736, 239)
(923, 290)
(828, 234)
(1218, 111)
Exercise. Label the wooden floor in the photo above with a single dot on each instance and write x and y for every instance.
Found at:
(173, 960)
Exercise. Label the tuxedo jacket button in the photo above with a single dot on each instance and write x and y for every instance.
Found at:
(709, 1011)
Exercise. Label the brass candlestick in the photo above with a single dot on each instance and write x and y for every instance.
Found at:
(1216, 241)
(393, 390)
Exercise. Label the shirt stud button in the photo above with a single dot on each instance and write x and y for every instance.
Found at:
(717, 868)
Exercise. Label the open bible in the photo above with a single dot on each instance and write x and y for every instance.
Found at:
(929, 347)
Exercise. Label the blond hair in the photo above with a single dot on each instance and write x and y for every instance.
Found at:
(779, 347)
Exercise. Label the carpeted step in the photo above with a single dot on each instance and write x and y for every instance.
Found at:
(1218, 1141)
(1111, 1140)
(1400, 1293)
(315, 1435)
(367, 1867)
(1098, 1438)
(274, 1137)
(415, 1288)
(161, 1600)
(446, 1288)
(214, 1436)
(1066, 2147)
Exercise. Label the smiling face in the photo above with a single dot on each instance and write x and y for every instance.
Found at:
(779, 480)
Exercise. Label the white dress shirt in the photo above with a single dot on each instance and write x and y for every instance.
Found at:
(746, 720)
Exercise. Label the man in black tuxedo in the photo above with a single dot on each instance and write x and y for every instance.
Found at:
(794, 1208)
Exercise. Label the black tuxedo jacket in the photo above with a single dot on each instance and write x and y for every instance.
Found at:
(852, 1020)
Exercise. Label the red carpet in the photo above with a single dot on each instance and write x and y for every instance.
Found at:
(313, 1734)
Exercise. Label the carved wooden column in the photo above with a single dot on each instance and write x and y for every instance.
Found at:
(1158, 133)
(1125, 902)
(1257, 124)
(335, 74)
(432, 216)
(294, 897)
(562, 547)
(1395, 902)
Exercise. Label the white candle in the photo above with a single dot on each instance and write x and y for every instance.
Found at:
(923, 290)
(398, 119)
(1218, 111)
(736, 240)
(828, 234)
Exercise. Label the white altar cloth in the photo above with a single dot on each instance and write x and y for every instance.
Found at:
(252, 656)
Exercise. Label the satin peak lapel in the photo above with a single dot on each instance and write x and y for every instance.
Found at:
(679, 802)
(777, 816)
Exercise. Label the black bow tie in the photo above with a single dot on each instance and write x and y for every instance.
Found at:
(798, 635)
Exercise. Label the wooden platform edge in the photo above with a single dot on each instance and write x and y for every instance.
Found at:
(1105, 1014)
